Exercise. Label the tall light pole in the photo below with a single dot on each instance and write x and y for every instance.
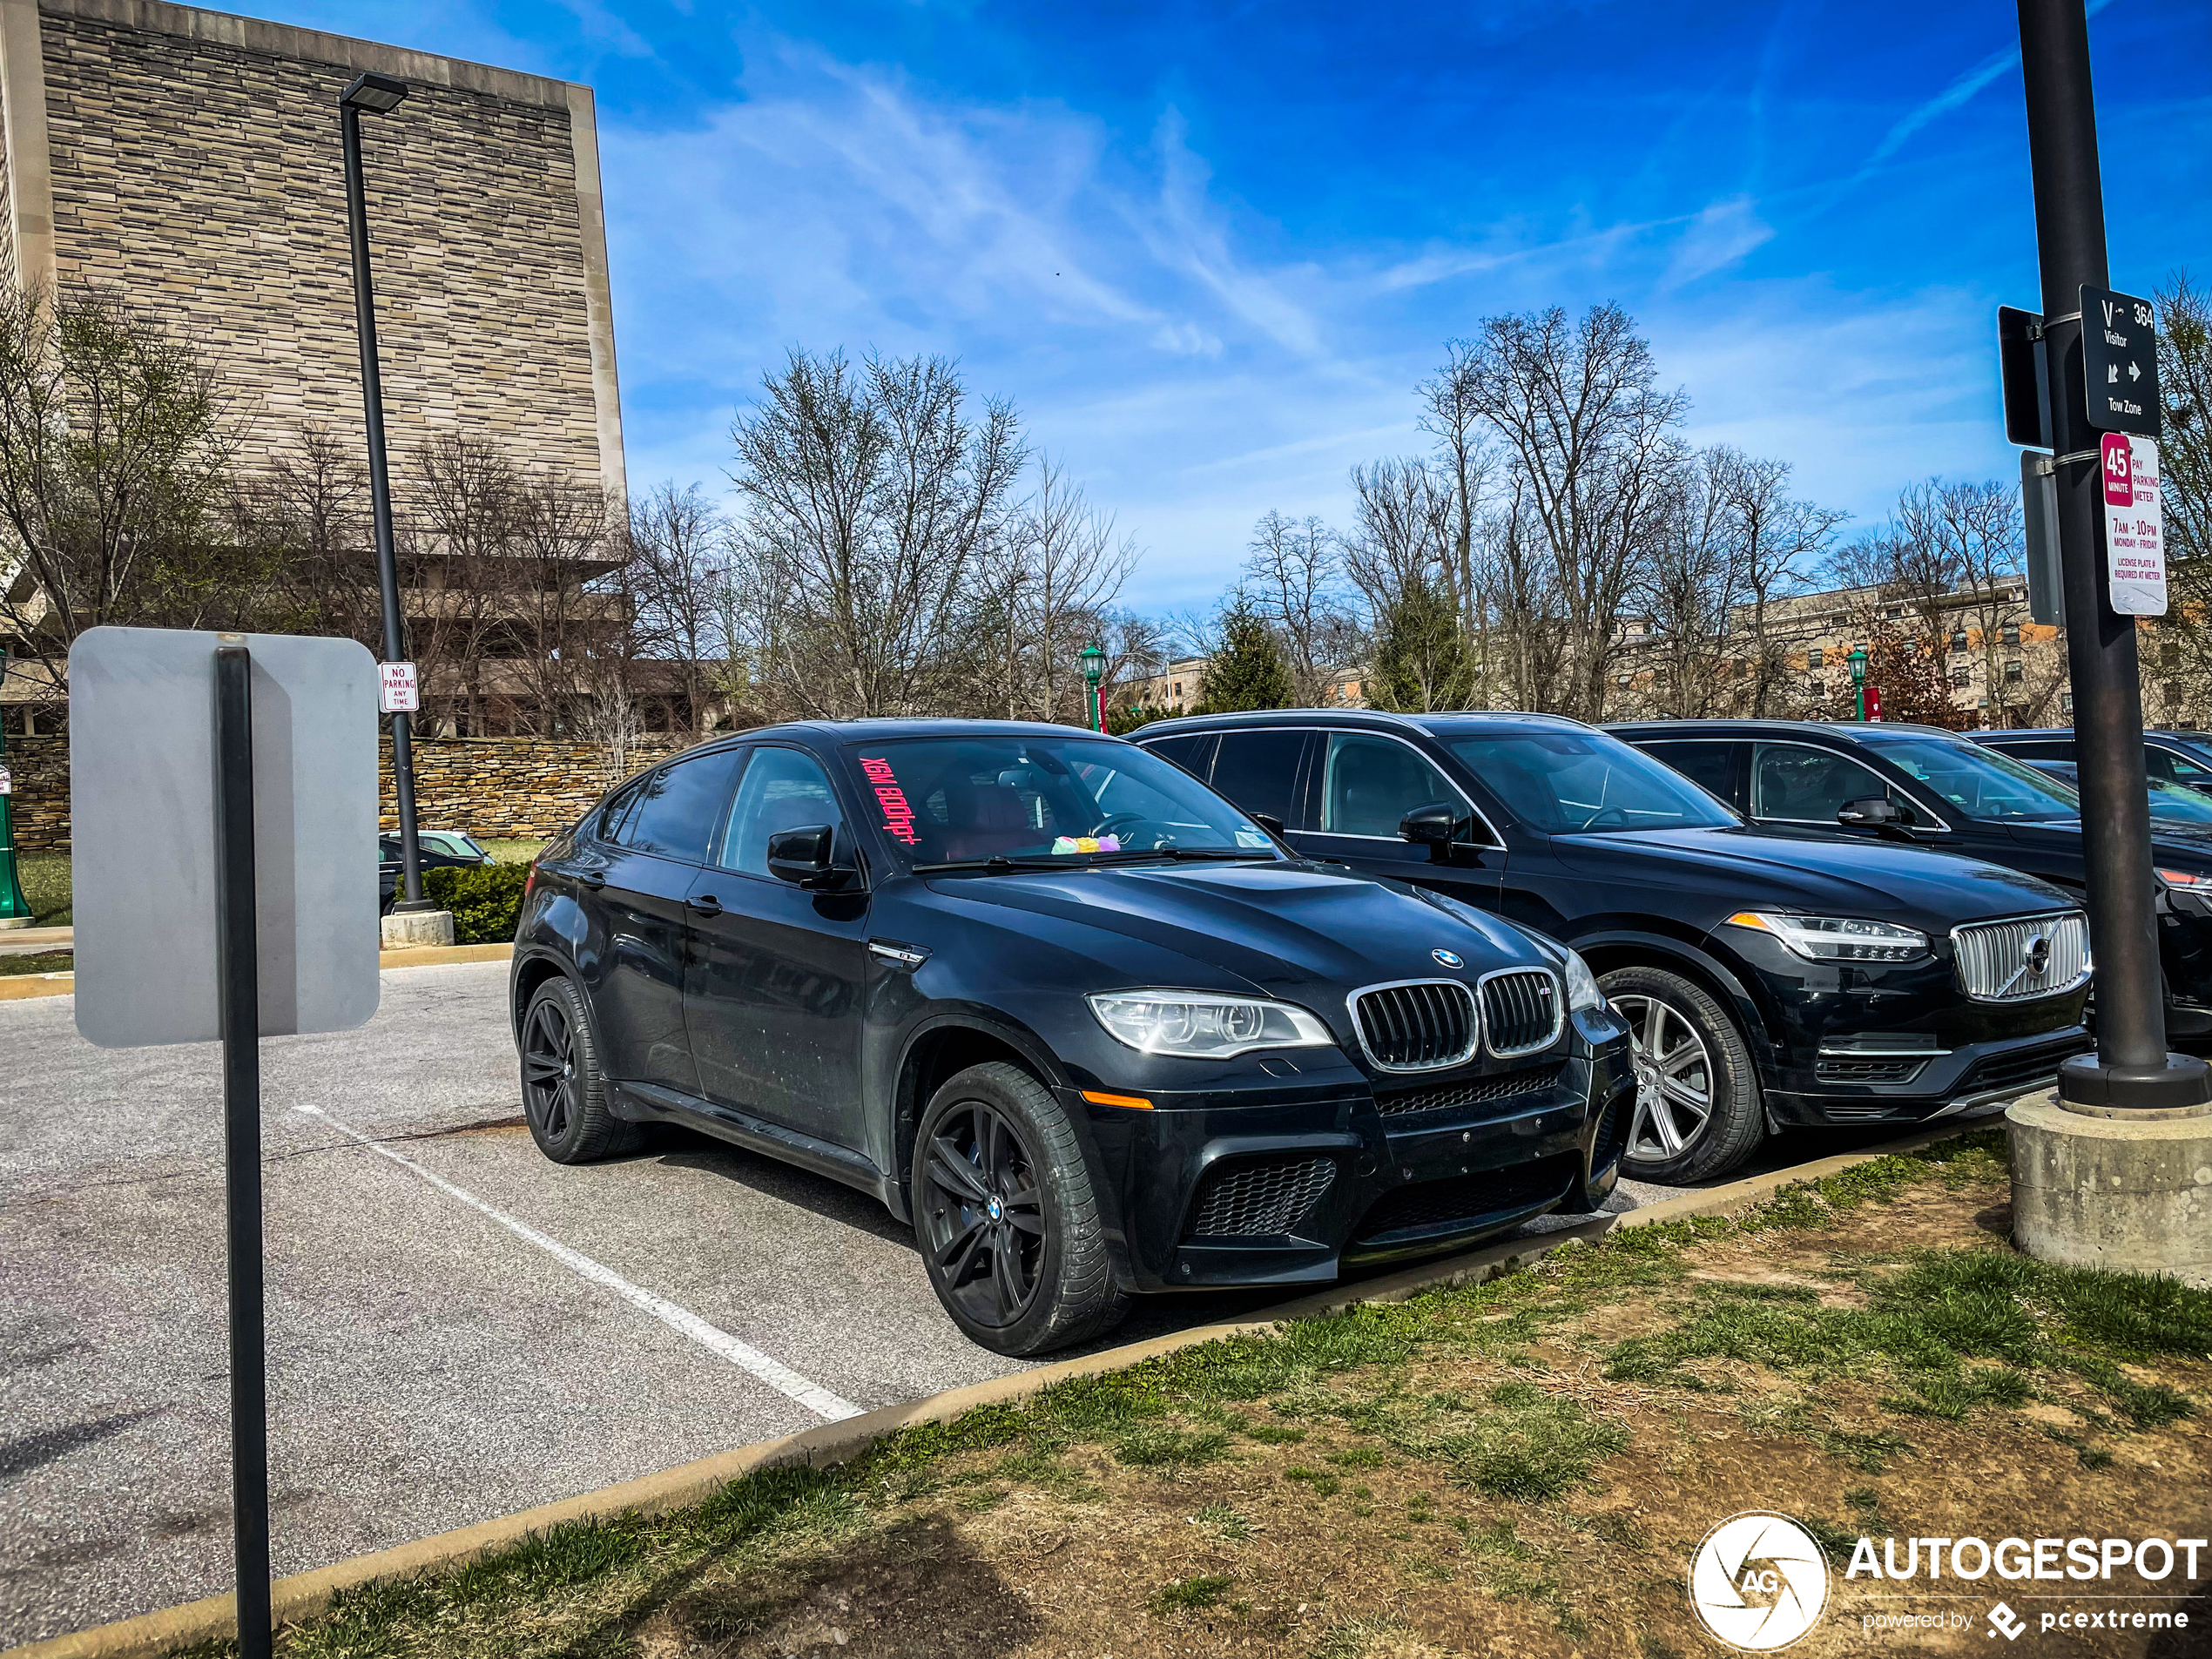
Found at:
(379, 94)
(2131, 1067)
(15, 909)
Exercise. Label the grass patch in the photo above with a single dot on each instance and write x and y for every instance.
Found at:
(1171, 1448)
(44, 961)
(1189, 1594)
(45, 884)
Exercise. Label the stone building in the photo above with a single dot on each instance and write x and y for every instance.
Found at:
(191, 160)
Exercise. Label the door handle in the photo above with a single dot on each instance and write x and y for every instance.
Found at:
(592, 879)
(705, 904)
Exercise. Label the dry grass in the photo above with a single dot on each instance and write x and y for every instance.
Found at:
(1518, 1468)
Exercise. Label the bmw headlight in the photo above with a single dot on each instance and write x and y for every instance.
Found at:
(1837, 939)
(1582, 984)
(1201, 1027)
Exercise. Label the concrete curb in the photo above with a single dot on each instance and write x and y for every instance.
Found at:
(20, 987)
(305, 1595)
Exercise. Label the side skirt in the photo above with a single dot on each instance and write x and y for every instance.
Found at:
(649, 1102)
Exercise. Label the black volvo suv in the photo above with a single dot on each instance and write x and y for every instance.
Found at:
(1770, 978)
(1083, 1022)
(1921, 786)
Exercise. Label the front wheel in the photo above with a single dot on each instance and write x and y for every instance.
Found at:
(1698, 1112)
(1008, 1226)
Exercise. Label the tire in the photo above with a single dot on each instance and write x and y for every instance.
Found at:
(564, 1090)
(1034, 1274)
(1698, 1110)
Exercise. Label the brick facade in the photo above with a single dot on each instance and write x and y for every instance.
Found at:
(195, 168)
(514, 787)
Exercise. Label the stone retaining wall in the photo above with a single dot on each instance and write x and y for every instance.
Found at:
(493, 787)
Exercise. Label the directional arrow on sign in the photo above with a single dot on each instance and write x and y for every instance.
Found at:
(2134, 374)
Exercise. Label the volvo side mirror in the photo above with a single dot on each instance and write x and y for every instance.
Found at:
(803, 857)
(1432, 826)
(1268, 822)
(1872, 812)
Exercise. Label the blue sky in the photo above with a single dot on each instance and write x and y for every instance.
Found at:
(1209, 249)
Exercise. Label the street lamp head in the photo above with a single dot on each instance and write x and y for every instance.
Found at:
(1093, 661)
(378, 93)
(1857, 661)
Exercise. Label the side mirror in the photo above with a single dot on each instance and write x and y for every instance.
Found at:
(1268, 822)
(802, 856)
(1873, 812)
(1432, 825)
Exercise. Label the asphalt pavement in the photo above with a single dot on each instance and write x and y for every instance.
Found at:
(457, 1328)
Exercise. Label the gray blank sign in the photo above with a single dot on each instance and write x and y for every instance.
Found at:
(142, 808)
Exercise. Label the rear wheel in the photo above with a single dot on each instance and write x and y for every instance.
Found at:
(1008, 1226)
(564, 1091)
(1697, 1109)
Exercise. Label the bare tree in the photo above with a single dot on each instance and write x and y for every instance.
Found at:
(869, 494)
(1404, 532)
(1293, 577)
(115, 457)
(2179, 644)
(1055, 569)
(679, 549)
(1779, 539)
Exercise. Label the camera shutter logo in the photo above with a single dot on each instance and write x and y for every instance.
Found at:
(1759, 1581)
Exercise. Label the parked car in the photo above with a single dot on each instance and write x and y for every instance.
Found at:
(2172, 806)
(1084, 1023)
(2169, 756)
(1772, 980)
(1921, 786)
(450, 848)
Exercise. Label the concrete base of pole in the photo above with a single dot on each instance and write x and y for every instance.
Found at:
(16, 921)
(2129, 1193)
(406, 927)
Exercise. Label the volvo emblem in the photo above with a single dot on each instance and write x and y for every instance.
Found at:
(1449, 958)
(2039, 954)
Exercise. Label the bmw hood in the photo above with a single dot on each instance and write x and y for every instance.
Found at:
(1836, 876)
(1275, 926)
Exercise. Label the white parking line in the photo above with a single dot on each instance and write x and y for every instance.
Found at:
(778, 1376)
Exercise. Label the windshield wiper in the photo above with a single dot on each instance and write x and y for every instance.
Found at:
(1131, 854)
(998, 861)
(993, 865)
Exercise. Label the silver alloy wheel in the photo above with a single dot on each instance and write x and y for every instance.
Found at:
(1674, 1080)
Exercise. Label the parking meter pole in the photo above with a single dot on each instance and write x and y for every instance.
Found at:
(2131, 1069)
(237, 981)
(15, 909)
(380, 492)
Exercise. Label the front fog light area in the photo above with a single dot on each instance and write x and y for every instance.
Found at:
(1837, 939)
(1200, 1027)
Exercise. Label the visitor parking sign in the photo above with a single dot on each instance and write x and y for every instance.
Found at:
(2134, 528)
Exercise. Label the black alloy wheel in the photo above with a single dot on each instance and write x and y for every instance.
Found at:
(1009, 1227)
(983, 1212)
(564, 1095)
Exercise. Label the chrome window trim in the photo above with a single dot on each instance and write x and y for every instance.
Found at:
(2088, 956)
(1496, 843)
(1751, 788)
(1559, 1011)
(1474, 1012)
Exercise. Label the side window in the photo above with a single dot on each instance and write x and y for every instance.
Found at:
(1710, 763)
(678, 806)
(2051, 750)
(2175, 768)
(1193, 754)
(1807, 786)
(1258, 770)
(1370, 783)
(783, 789)
(611, 816)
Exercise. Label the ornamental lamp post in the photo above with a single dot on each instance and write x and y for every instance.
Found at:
(381, 94)
(15, 909)
(1093, 661)
(1857, 661)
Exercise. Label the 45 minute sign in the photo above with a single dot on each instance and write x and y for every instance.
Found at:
(2120, 361)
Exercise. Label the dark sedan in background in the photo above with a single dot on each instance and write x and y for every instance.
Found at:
(1921, 786)
(1770, 978)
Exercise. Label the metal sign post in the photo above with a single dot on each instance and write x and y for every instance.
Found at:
(223, 797)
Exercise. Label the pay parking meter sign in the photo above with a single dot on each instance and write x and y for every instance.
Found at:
(2134, 527)
(396, 688)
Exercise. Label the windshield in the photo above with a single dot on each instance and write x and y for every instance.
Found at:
(1980, 782)
(1072, 799)
(1567, 782)
(2179, 804)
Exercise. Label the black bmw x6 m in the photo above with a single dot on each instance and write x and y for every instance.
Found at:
(1088, 1026)
(1771, 978)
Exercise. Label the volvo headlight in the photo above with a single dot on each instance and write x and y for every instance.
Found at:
(1837, 939)
(1582, 984)
(1201, 1027)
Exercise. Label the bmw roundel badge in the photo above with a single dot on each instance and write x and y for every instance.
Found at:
(1449, 958)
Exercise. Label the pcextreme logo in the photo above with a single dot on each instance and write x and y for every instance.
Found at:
(1759, 1581)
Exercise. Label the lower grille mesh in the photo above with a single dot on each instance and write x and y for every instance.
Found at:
(1480, 1091)
(1258, 1198)
(1468, 1200)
